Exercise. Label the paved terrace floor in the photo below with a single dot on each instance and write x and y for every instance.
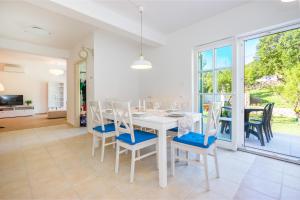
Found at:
(280, 143)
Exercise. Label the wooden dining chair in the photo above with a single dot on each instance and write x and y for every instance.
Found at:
(130, 139)
(101, 130)
(197, 142)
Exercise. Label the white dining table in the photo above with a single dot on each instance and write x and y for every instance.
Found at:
(161, 122)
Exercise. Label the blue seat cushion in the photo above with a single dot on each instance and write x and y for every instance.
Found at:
(108, 128)
(139, 136)
(174, 129)
(195, 139)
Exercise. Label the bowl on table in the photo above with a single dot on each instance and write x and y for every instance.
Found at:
(138, 114)
(176, 114)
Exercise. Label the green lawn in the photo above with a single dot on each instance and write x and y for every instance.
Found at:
(284, 125)
(267, 95)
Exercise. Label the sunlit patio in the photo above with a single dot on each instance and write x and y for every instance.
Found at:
(281, 143)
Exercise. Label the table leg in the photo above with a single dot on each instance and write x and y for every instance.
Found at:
(162, 157)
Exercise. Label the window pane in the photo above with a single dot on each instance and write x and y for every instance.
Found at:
(224, 78)
(225, 130)
(205, 100)
(207, 82)
(206, 60)
(223, 57)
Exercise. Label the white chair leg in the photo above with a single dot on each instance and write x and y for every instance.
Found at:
(206, 170)
(177, 154)
(172, 159)
(132, 166)
(102, 148)
(199, 157)
(157, 159)
(114, 140)
(187, 157)
(117, 158)
(94, 145)
(216, 163)
(138, 153)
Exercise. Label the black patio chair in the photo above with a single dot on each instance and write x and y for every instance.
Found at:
(259, 127)
(269, 127)
(225, 120)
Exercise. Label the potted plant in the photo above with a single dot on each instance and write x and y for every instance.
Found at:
(28, 102)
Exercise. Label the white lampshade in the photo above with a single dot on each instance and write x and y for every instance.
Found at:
(1, 87)
(141, 63)
(287, 1)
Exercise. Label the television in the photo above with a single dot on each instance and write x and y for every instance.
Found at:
(11, 100)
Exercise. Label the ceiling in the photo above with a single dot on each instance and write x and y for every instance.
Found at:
(167, 16)
(19, 58)
(17, 16)
(67, 26)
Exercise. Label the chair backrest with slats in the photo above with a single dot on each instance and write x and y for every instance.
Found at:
(185, 125)
(266, 113)
(97, 108)
(96, 114)
(123, 119)
(212, 126)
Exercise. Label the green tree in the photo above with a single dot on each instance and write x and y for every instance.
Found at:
(224, 81)
(207, 82)
(279, 54)
(291, 89)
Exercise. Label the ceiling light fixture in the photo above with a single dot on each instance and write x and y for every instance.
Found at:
(141, 63)
(37, 30)
(56, 72)
(287, 1)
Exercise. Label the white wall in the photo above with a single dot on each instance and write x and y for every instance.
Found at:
(113, 77)
(109, 74)
(33, 84)
(172, 72)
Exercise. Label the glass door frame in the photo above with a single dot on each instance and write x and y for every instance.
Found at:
(195, 88)
(241, 72)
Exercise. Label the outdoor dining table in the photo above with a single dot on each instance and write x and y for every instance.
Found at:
(160, 121)
(249, 110)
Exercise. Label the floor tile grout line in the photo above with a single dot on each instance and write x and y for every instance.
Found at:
(253, 189)
(27, 174)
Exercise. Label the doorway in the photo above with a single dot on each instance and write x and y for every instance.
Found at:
(81, 91)
(272, 92)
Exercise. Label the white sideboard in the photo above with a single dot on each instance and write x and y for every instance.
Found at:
(56, 95)
(16, 111)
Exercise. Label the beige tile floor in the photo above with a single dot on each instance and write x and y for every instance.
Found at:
(56, 163)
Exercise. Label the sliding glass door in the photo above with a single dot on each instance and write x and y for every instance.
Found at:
(272, 92)
(214, 84)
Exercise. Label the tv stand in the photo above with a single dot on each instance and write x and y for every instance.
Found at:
(16, 111)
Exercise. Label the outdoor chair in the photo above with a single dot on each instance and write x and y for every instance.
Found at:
(269, 127)
(258, 127)
(225, 120)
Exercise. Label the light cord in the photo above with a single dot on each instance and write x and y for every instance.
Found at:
(141, 12)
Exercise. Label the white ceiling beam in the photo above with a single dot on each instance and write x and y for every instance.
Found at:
(26, 47)
(93, 13)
